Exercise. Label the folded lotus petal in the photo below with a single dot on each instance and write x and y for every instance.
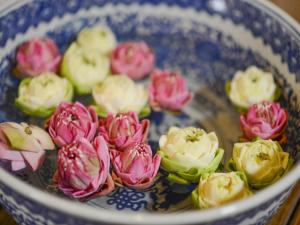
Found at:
(42, 137)
(20, 138)
(9, 154)
(23, 145)
(34, 160)
(17, 165)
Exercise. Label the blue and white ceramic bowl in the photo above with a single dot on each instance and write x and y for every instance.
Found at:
(207, 40)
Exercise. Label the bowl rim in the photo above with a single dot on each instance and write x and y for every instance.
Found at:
(87, 212)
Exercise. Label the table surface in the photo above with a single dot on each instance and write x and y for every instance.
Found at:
(289, 213)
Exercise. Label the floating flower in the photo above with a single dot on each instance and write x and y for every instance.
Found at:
(99, 39)
(217, 189)
(84, 68)
(39, 96)
(189, 152)
(72, 121)
(83, 169)
(119, 94)
(23, 145)
(250, 87)
(168, 90)
(135, 167)
(134, 59)
(123, 129)
(265, 120)
(38, 56)
(263, 161)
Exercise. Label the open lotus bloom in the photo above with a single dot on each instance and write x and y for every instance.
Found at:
(23, 145)
(135, 166)
(189, 152)
(100, 39)
(123, 129)
(135, 59)
(39, 96)
(263, 161)
(84, 68)
(265, 120)
(72, 121)
(83, 169)
(250, 87)
(38, 56)
(168, 90)
(217, 189)
(118, 93)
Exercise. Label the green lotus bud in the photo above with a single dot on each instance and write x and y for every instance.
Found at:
(118, 93)
(39, 96)
(220, 188)
(189, 152)
(263, 161)
(84, 68)
(99, 39)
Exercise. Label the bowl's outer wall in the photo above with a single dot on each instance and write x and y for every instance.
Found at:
(27, 212)
(24, 210)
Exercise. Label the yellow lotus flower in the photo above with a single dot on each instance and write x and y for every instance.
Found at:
(118, 93)
(263, 161)
(39, 96)
(84, 68)
(250, 87)
(220, 188)
(100, 39)
(189, 152)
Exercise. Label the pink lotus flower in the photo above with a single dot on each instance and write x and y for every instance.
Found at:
(265, 120)
(37, 56)
(133, 59)
(123, 129)
(72, 121)
(168, 90)
(83, 169)
(135, 167)
(23, 145)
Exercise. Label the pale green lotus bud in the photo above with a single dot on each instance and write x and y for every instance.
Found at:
(39, 96)
(189, 152)
(100, 39)
(84, 68)
(217, 189)
(118, 93)
(263, 161)
(250, 87)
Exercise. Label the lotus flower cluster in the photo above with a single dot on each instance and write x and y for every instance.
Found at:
(133, 162)
(23, 145)
(37, 56)
(265, 120)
